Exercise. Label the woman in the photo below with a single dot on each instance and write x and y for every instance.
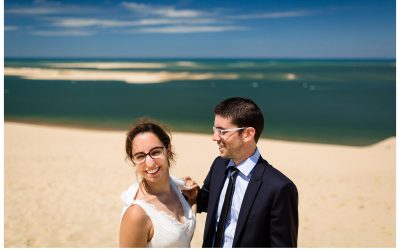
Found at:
(155, 213)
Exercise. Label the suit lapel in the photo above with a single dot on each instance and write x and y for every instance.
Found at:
(217, 183)
(248, 199)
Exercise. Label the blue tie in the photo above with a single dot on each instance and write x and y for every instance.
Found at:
(219, 235)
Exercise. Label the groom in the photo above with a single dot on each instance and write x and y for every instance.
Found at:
(248, 202)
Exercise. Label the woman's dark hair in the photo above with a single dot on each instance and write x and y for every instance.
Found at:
(144, 125)
(243, 112)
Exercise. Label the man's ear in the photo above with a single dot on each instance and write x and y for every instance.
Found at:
(248, 134)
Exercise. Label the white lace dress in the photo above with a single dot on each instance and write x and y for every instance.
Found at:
(168, 232)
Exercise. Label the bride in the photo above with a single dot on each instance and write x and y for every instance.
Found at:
(155, 213)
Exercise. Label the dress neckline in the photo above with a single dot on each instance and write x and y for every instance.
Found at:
(171, 218)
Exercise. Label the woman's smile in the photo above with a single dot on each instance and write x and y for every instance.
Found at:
(152, 172)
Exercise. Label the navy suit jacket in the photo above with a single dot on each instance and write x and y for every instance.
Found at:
(268, 216)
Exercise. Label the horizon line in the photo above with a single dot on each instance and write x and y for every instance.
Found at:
(201, 58)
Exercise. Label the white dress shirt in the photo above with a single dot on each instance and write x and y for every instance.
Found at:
(242, 180)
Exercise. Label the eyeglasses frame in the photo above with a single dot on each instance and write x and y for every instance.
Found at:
(220, 131)
(147, 154)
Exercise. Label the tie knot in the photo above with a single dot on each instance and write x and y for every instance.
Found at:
(233, 171)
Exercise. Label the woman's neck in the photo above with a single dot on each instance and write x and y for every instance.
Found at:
(159, 188)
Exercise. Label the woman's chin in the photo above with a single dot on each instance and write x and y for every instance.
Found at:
(156, 176)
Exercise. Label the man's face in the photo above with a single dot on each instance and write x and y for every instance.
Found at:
(231, 142)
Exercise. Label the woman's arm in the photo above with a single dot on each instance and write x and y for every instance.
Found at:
(136, 228)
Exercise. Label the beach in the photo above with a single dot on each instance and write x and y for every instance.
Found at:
(62, 186)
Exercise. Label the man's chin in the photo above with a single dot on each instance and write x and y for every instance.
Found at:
(223, 153)
(224, 156)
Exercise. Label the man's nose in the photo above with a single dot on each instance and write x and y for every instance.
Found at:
(216, 137)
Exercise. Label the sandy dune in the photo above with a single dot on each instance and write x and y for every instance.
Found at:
(62, 187)
(133, 77)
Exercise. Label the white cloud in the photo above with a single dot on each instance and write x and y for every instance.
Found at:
(136, 7)
(170, 12)
(189, 29)
(163, 21)
(157, 21)
(92, 22)
(34, 10)
(152, 19)
(62, 33)
(87, 22)
(271, 15)
(10, 28)
(44, 8)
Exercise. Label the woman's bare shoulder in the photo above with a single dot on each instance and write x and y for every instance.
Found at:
(136, 228)
(135, 214)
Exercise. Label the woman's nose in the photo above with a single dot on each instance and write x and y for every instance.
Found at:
(149, 161)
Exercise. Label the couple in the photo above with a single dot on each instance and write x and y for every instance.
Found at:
(248, 202)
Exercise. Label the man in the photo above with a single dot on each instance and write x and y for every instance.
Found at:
(261, 203)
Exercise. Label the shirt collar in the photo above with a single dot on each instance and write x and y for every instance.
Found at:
(247, 165)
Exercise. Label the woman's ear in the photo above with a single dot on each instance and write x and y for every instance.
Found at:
(169, 151)
(248, 134)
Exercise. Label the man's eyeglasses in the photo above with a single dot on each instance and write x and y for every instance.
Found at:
(222, 132)
(154, 153)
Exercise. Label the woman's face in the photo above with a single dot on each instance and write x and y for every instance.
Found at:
(145, 147)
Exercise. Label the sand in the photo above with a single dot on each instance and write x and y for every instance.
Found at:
(62, 186)
(132, 77)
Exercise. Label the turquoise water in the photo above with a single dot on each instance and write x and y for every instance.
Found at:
(348, 102)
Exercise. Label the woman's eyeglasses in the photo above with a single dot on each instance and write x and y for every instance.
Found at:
(154, 153)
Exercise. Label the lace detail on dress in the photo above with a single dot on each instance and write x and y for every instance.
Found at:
(185, 225)
(168, 231)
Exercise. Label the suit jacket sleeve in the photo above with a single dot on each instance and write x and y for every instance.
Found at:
(284, 217)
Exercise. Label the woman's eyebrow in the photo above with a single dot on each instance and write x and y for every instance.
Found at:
(149, 150)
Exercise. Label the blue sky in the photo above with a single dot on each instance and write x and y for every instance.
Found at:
(201, 29)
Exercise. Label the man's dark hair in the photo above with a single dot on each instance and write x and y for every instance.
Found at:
(243, 112)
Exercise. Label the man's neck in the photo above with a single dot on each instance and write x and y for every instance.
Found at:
(247, 152)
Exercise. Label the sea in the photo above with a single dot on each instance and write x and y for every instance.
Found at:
(332, 101)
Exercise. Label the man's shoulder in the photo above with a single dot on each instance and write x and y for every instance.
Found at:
(220, 161)
(272, 174)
